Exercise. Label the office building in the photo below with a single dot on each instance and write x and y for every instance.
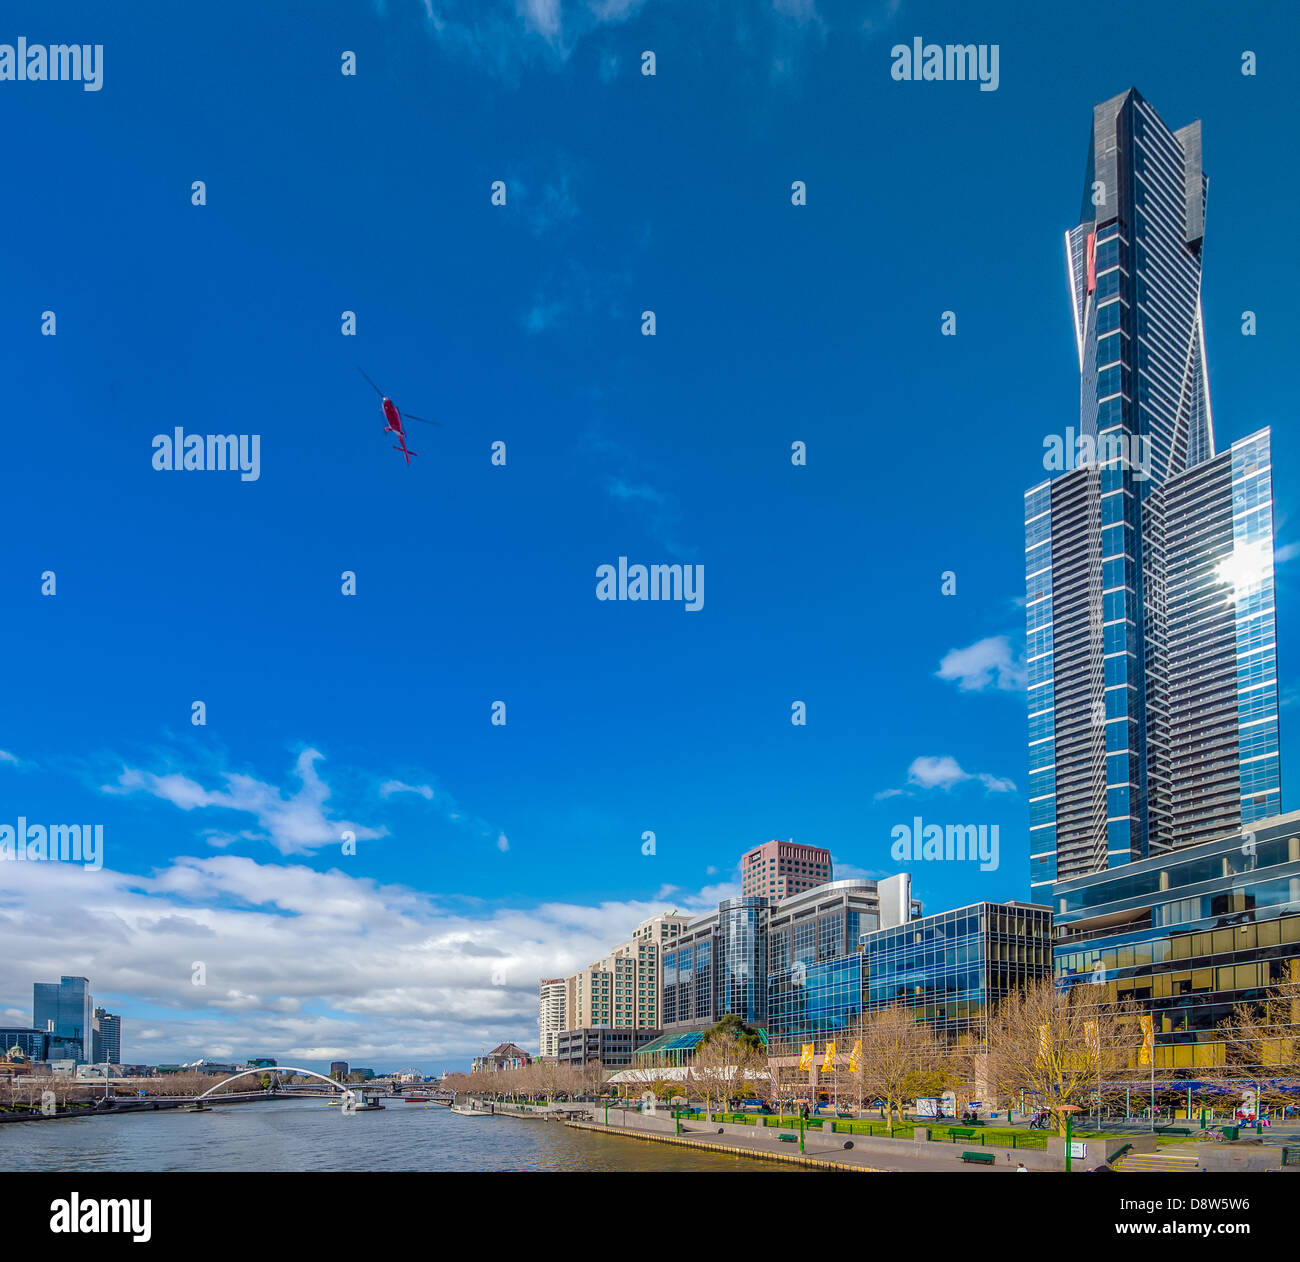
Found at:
(1188, 934)
(779, 868)
(828, 921)
(66, 1009)
(552, 1010)
(718, 965)
(721, 962)
(107, 1038)
(949, 969)
(610, 1048)
(338, 1070)
(25, 1042)
(1149, 561)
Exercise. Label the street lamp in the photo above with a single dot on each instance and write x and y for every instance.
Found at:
(677, 1101)
(1069, 1110)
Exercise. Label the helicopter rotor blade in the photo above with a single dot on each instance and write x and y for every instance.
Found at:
(406, 416)
(374, 387)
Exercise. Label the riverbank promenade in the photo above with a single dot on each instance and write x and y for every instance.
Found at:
(820, 1151)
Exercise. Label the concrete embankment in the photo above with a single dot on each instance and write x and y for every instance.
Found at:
(736, 1145)
(837, 1151)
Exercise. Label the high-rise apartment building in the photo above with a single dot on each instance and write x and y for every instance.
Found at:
(66, 1010)
(1149, 563)
(107, 1038)
(552, 1014)
(625, 988)
(780, 868)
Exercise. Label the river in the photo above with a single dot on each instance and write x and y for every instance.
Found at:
(312, 1135)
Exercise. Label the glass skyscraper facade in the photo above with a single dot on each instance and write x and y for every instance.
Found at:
(948, 969)
(65, 1009)
(1188, 934)
(718, 965)
(721, 962)
(1149, 564)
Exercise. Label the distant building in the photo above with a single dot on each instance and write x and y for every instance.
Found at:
(338, 1069)
(602, 1046)
(502, 1056)
(552, 1012)
(65, 1009)
(214, 1068)
(31, 1043)
(107, 1038)
(779, 868)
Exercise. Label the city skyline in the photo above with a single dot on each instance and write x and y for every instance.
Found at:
(486, 857)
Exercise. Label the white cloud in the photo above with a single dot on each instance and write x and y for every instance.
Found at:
(389, 787)
(300, 964)
(988, 663)
(295, 824)
(944, 773)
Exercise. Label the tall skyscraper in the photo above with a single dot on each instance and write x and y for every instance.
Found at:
(1149, 562)
(107, 1038)
(65, 1008)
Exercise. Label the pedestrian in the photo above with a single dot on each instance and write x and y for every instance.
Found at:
(1021, 1168)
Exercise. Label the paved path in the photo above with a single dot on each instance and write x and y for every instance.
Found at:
(818, 1152)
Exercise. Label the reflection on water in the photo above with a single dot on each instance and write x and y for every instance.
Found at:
(309, 1135)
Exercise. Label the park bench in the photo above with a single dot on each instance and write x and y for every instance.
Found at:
(960, 1132)
(1174, 1130)
(788, 1139)
(1291, 1156)
(978, 1158)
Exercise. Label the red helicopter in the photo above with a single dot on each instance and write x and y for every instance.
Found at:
(394, 419)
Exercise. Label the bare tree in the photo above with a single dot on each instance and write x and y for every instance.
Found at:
(900, 1059)
(1058, 1045)
(1261, 1045)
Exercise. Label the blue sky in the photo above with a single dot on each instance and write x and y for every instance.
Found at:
(516, 851)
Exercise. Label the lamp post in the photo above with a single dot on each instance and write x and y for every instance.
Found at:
(1069, 1110)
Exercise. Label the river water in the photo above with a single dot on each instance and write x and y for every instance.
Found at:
(311, 1135)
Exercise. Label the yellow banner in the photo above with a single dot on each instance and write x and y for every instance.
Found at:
(1148, 1040)
(828, 1063)
(806, 1056)
(854, 1056)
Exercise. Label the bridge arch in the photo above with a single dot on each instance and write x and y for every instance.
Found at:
(275, 1069)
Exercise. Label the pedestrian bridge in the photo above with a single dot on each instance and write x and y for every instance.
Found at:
(277, 1069)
